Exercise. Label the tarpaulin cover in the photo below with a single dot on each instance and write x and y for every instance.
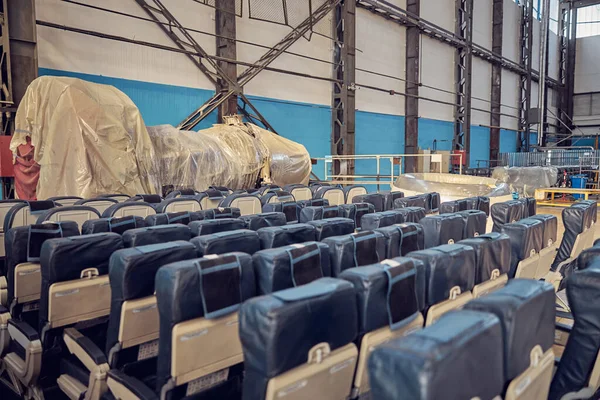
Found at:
(451, 185)
(86, 138)
(90, 139)
(526, 179)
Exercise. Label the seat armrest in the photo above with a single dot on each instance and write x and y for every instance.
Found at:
(4, 334)
(126, 387)
(24, 329)
(84, 349)
(563, 327)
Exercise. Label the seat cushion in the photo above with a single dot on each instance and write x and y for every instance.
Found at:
(156, 234)
(277, 236)
(179, 297)
(516, 305)
(329, 227)
(278, 330)
(64, 259)
(112, 224)
(355, 250)
(210, 226)
(290, 266)
(132, 272)
(442, 229)
(525, 236)
(458, 357)
(492, 252)
(447, 266)
(356, 211)
(372, 286)
(242, 240)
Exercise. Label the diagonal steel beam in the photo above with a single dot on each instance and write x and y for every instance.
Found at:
(271, 55)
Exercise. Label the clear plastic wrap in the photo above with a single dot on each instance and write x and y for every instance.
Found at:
(526, 179)
(233, 154)
(86, 139)
(90, 139)
(450, 186)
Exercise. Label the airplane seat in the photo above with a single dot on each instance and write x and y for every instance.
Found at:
(526, 238)
(493, 255)
(285, 354)
(210, 226)
(199, 350)
(401, 239)
(290, 266)
(377, 199)
(156, 234)
(442, 229)
(277, 236)
(355, 212)
(329, 227)
(450, 273)
(458, 357)
(112, 224)
(355, 250)
(241, 240)
(256, 221)
(352, 191)
(391, 297)
(528, 355)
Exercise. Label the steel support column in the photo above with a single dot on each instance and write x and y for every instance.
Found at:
(464, 66)
(225, 29)
(526, 60)
(567, 30)
(19, 61)
(496, 94)
(543, 88)
(411, 103)
(344, 102)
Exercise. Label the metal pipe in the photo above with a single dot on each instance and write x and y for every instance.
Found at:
(543, 71)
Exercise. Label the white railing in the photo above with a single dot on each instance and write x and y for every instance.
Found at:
(395, 162)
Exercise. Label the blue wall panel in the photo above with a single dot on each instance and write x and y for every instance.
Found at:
(480, 146)
(508, 141)
(430, 130)
(378, 134)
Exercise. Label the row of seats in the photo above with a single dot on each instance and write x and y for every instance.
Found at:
(457, 254)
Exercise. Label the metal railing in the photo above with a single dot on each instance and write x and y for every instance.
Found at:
(548, 158)
(387, 167)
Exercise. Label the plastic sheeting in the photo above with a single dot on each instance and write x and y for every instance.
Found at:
(451, 185)
(234, 155)
(90, 139)
(526, 179)
(86, 139)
